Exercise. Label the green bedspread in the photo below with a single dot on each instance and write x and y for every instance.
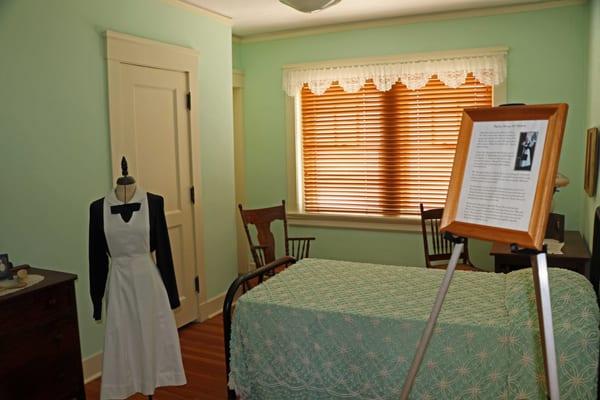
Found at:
(327, 329)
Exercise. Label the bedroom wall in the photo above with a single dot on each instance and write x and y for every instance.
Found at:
(55, 137)
(593, 109)
(546, 64)
(236, 49)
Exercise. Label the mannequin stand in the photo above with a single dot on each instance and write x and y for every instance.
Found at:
(544, 309)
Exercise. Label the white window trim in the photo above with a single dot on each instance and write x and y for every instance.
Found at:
(296, 214)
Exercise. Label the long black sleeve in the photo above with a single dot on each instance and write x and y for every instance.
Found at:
(162, 246)
(98, 257)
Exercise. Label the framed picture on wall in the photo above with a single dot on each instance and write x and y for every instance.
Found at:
(591, 162)
(504, 172)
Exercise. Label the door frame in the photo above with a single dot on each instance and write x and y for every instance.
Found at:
(243, 254)
(126, 49)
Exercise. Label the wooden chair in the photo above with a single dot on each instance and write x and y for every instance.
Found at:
(264, 252)
(438, 249)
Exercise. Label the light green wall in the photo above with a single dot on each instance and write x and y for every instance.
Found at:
(546, 64)
(593, 108)
(55, 139)
(236, 49)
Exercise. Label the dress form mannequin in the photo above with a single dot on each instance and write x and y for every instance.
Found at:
(125, 184)
(125, 190)
(132, 280)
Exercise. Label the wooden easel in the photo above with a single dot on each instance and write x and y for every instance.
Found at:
(544, 310)
(486, 123)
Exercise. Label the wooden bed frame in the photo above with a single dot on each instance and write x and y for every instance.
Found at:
(286, 261)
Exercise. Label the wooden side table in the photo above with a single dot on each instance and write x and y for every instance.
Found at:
(576, 256)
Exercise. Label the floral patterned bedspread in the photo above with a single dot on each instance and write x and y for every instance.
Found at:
(326, 329)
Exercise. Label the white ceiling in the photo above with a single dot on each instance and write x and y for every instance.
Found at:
(260, 16)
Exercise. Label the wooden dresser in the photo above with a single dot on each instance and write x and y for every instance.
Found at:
(40, 356)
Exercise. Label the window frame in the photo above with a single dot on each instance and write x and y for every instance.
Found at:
(295, 212)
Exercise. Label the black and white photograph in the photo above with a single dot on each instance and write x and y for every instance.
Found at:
(4, 266)
(525, 151)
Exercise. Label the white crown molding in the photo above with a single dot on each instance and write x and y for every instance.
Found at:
(200, 11)
(480, 12)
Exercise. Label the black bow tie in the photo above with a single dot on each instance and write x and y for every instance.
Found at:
(126, 210)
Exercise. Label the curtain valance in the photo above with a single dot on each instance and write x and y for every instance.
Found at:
(489, 69)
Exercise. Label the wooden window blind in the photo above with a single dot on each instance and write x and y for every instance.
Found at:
(382, 153)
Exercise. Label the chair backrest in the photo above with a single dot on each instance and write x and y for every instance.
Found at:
(261, 218)
(436, 247)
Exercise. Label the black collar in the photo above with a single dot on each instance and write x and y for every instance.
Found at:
(126, 210)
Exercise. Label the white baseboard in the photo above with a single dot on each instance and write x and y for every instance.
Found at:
(92, 367)
(211, 307)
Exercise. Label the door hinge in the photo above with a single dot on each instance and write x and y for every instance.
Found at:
(197, 284)
(188, 100)
(193, 195)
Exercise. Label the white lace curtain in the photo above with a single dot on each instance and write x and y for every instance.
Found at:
(489, 69)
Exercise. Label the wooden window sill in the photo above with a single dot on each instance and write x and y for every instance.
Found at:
(351, 221)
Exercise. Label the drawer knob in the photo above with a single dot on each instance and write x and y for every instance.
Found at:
(58, 337)
(52, 301)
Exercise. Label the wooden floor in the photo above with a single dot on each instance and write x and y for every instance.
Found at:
(204, 363)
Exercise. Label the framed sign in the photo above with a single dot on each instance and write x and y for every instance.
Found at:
(504, 170)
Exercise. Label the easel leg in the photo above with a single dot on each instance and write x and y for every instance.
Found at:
(544, 309)
(435, 312)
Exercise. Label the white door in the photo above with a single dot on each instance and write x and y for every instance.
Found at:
(156, 139)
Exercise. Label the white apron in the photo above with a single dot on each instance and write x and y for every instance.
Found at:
(141, 345)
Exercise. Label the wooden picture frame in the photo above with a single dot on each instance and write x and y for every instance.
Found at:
(591, 162)
(470, 210)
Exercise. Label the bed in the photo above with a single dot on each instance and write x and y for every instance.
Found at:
(324, 329)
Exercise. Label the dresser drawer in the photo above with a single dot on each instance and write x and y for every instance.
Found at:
(41, 361)
(43, 379)
(38, 308)
(19, 348)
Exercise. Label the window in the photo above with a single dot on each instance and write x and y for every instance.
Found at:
(381, 153)
(370, 139)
